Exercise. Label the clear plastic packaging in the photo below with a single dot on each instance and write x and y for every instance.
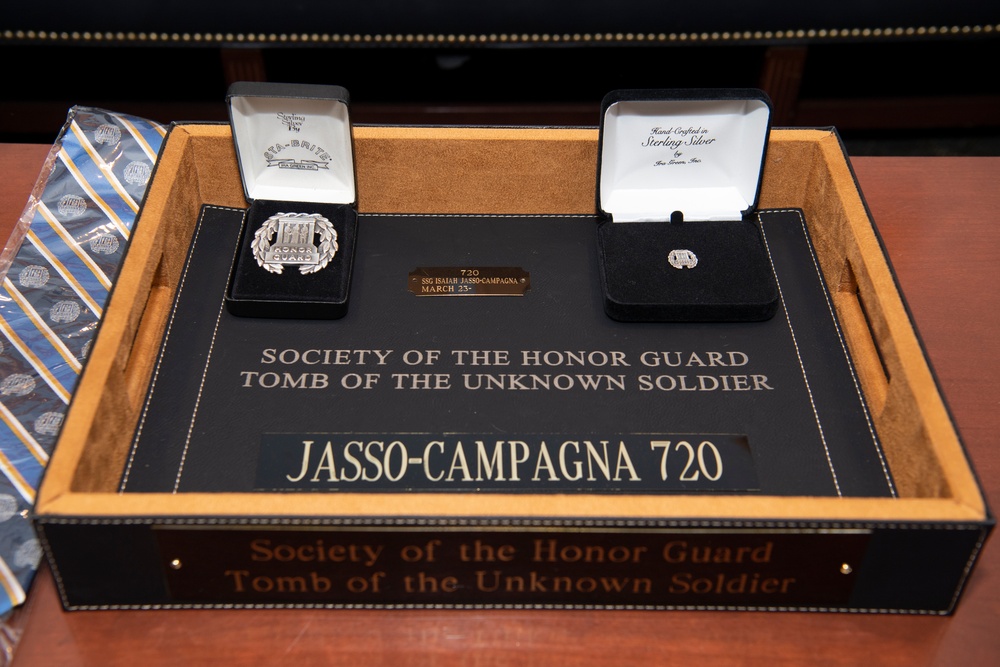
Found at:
(57, 270)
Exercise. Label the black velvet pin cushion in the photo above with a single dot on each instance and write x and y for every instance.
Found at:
(294, 145)
(294, 260)
(678, 181)
(706, 271)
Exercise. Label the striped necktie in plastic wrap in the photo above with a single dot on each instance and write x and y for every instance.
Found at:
(75, 229)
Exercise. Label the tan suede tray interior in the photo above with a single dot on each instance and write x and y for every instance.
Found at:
(509, 171)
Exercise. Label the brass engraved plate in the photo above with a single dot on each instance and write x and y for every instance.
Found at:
(469, 281)
(557, 566)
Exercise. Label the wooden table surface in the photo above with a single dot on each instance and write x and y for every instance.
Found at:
(939, 220)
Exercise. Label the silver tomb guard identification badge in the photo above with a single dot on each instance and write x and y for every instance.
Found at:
(682, 259)
(288, 239)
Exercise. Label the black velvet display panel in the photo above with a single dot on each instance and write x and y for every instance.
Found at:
(730, 281)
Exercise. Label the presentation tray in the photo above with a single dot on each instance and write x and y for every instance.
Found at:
(877, 509)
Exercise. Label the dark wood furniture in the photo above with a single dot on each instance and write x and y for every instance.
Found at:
(860, 66)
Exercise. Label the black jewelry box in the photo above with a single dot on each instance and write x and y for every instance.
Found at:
(295, 151)
(679, 174)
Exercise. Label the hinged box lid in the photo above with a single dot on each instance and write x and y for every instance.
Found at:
(699, 152)
(293, 142)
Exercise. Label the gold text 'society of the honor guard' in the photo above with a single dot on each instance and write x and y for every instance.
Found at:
(307, 240)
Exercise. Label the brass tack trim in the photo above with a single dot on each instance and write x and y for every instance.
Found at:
(523, 38)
